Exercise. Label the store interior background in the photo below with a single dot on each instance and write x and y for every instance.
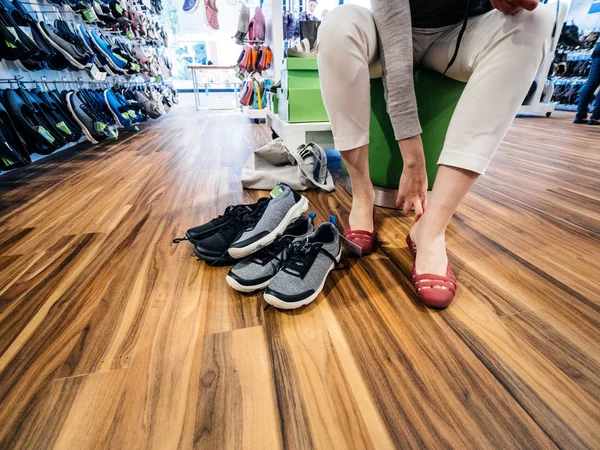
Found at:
(196, 43)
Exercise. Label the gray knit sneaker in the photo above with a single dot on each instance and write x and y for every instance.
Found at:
(256, 271)
(285, 206)
(303, 275)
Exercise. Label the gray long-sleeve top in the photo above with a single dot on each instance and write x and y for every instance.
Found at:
(394, 20)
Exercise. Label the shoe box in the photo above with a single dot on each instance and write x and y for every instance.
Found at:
(300, 97)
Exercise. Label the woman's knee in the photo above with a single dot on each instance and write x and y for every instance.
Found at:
(342, 27)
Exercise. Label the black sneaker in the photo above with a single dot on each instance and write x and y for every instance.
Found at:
(213, 249)
(200, 232)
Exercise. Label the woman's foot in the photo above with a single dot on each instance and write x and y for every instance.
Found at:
(361, 214)
(362, 235)
(431, 245)
(432, 275)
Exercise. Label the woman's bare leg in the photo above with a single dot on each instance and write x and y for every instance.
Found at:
(363, 196)
(429, 233)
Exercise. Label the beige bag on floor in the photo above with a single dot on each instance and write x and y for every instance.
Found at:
(303, 169)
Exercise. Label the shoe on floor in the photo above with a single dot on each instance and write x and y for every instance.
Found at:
(256, 271)
(213, 248)
(579, 120)
(195, 234)
(303, 275)
(594, 122)
(286, 205)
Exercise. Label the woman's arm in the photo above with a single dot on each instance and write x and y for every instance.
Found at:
(394, 27)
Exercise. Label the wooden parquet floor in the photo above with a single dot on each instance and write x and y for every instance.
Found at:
(112, 337)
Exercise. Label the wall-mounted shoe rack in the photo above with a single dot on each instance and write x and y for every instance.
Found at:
(77, 69)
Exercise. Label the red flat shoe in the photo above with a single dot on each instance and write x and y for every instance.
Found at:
(363, 239)
(412, 248)
(435, 291)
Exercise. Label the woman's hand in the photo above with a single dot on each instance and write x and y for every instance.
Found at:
(413, 182)
(412, 192)
(514, 6)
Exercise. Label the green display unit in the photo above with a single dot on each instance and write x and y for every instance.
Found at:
(300, 73)
(302, 105)
(437, 97)
(300, 99)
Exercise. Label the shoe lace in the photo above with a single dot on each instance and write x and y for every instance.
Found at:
(302, 253)
(277, 251)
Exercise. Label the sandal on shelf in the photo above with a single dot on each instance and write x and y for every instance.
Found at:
(363, 239)
(435, 291)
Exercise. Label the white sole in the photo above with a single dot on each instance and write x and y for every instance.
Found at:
(59, 49)
(84, 130)
(119, 125)
(295, 211)
(281, 304)
(246, 289)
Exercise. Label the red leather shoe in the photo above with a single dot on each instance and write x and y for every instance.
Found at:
(364, 239)
(435, 291)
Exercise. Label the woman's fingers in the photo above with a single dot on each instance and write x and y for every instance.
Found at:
(418, 209)
(406, 207)
(399, 201)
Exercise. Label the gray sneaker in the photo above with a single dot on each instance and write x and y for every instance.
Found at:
(256, 271)
(80, 113)
(304, 273)
(285, 206)
(58, 41)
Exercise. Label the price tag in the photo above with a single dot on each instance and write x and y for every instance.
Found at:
(63, 127)
(89, 15)
(94, 73)
(7, 162)
(276, 192)
(46, 134)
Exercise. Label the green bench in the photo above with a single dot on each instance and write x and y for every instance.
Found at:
(437, 97)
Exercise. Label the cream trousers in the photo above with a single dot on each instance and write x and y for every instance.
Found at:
(499, 57)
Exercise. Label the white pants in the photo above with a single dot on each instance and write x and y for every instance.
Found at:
(499, 57)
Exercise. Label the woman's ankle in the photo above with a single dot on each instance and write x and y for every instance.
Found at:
(361, 215)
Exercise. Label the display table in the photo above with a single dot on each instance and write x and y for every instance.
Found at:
(200, 67)
(297, 134)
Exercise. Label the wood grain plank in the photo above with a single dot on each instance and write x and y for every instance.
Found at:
(312, 390)
(236, 402)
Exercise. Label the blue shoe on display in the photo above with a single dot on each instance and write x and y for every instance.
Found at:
(114, 61)
(134, 114)
(190, 5)
(120, 114)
